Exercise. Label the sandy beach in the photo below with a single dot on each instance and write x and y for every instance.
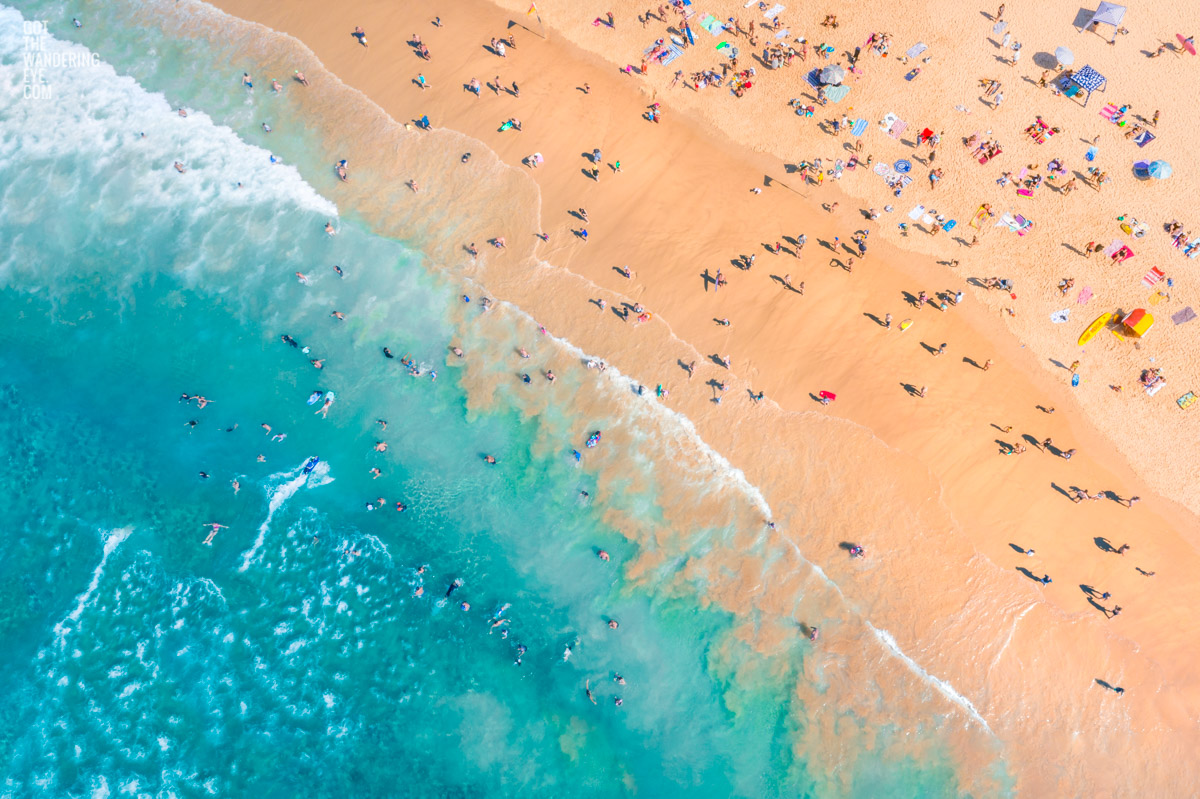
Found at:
(922, 482)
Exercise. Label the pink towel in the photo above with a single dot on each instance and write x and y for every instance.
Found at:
(1109, 111)
(1025, 192)
(898, 127)
(1085, 294)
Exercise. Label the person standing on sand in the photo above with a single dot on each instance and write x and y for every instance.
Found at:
(887, 321)
(987, 364)
(924, 390)
(1130, 502)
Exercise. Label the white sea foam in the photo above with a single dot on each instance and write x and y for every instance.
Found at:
(97, 112)
(112, 540)
(294, 480)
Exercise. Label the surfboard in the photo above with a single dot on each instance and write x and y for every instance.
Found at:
(1094, 328)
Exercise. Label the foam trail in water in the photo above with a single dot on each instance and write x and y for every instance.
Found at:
(114, 539)
(296, 479)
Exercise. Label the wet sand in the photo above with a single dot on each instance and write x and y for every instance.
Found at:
(918, 482)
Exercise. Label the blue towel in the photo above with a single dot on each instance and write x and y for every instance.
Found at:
(812, 78)
(859, 128)
(1091, 154)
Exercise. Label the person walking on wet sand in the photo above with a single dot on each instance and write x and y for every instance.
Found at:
(1121, 550)
(1130, 502)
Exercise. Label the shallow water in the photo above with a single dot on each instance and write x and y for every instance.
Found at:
(292, 656)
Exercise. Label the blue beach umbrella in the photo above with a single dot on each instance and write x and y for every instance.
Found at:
(1160, 169)
(1152, 169)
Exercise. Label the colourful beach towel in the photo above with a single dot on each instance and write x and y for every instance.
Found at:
(898, 127)
(1109, 112)
(883, 169)
(1152, 277)
(977, 220)
(913, 73)
(1186, 315)
(859, 127)
(1110, 249)
(1025, 192)
(712, 25)
(814, 78)
(1187, 400)
(1085, 294)
(1143, 138)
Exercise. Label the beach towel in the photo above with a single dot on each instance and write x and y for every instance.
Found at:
(898, 127)
(1187, 400)
(977, 220)
(927, 219)
(1090, 155)
(882, 169)
(1154, 389)
(998, 28)
(987, 158)
(1058, 317)
(835, 94)
(813, 78)
(782, 34)
(953, 223)
(916, 212)
(1109, 112)
(673, 52)
(1110, 249)
(774, 11)
(1143, 138)
(888, 120)
(1025, 192)
(749, 3)
(916, 50)
(913, 73)
(1153, 276)
(903, 166)
(859, 127)
(1186, 315)
(1157, 297)
(712, 25)
(1085, 294)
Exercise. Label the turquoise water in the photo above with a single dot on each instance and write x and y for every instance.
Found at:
(293, 656)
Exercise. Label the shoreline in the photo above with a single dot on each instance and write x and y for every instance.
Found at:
(837, 366)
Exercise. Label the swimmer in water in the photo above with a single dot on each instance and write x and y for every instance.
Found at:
(457, 351)
(489, 459)
(266, 128)
(341, 172)
(302, 278)
(603, 555)
(301, 79)
(387, 353)
(286, 339)
(324, 410)
(339, 271)
(247, 82)
(813, 634)
(375, 473)
(329, 229)
(216, 528)
(521, 650)
(337, 315)
(525, 378)
(382, 423)
(381, 446)
(275, 86)
(236, 486)
(618, 679)
(191, 423)
(587, 689)
(180, 168)
(456, 584)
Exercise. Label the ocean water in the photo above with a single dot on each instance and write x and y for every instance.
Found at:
(316, 648)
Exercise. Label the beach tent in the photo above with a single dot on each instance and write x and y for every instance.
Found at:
(1089, 80)
(1107, 13)
(1137, 323)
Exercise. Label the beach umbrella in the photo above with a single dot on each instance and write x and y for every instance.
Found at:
(1065, 57)
(833, 74)
(1160, 169)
